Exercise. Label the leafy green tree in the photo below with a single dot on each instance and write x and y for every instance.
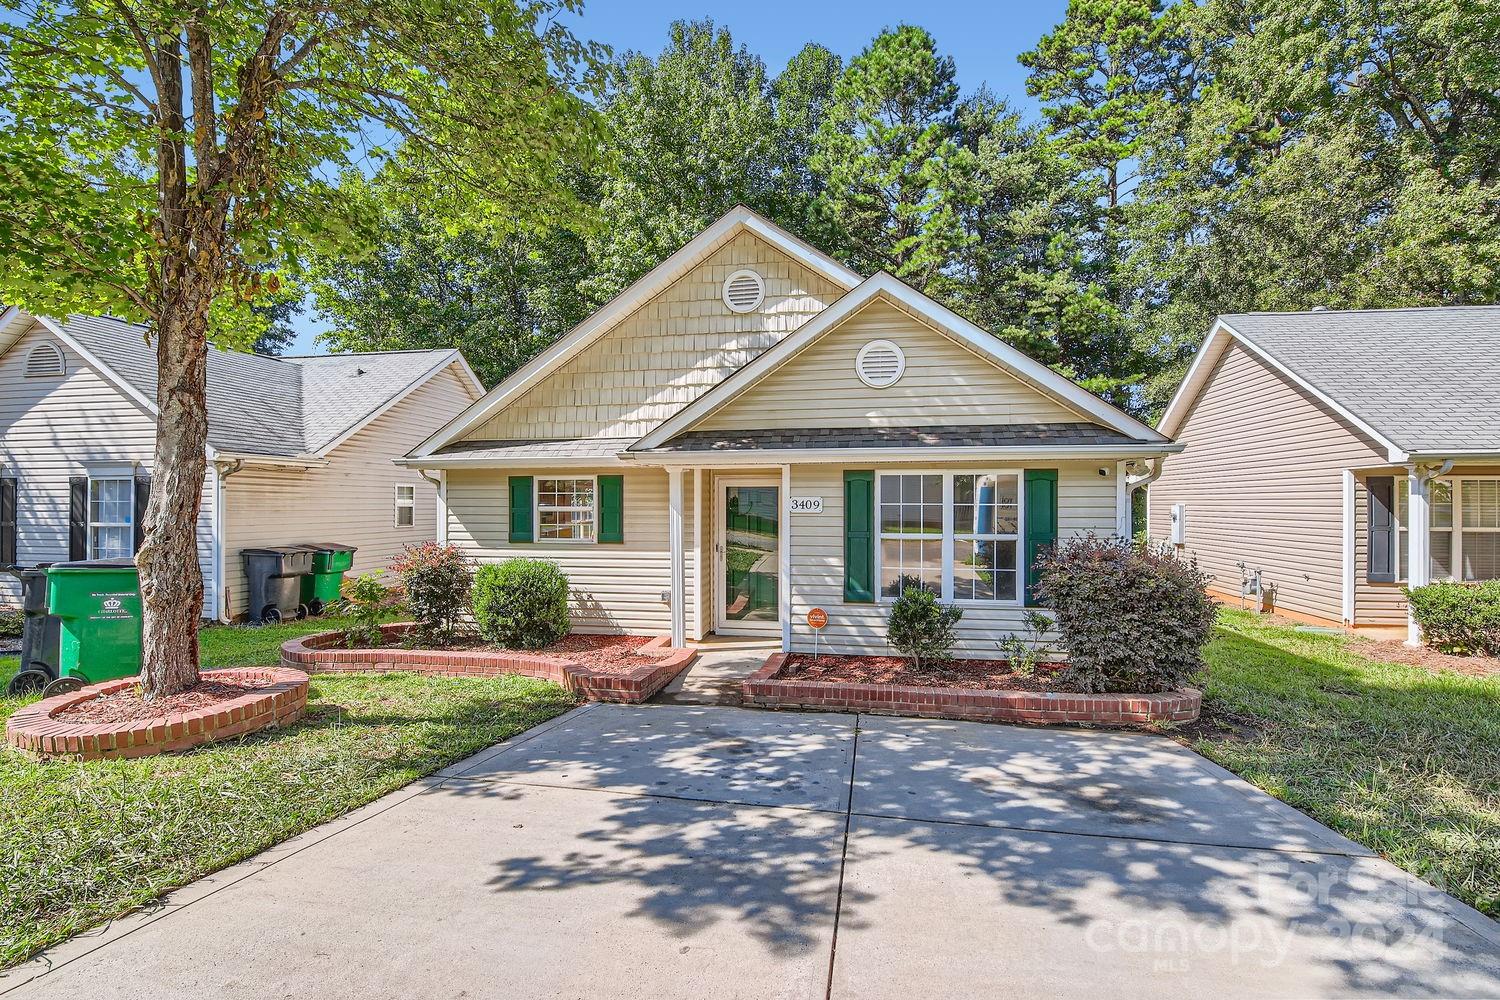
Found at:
(160, 158)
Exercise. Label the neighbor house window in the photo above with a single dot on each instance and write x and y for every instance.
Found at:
(111, 518)
(406, 506)
(955, 534)
(565, 510)
(1465, 529)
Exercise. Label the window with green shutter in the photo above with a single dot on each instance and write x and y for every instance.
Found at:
(521, 528)
(612, 509)
(859, 537)
(1041, 521)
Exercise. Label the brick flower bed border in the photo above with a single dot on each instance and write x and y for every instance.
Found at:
(324, 653)
(280, 703)
(764, 689)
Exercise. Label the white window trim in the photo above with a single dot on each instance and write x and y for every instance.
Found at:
(536, 511)
(1456, 532)
(949, 535)
(90, 524)
(404, 504)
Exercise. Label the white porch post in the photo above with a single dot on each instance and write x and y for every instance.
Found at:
(784, 589)
(700, 579)
(442, 507)
(1419, 544)
(676, 555)
(1348, 563)
(1123, 493)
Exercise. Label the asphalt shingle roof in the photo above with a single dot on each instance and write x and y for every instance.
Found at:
(1427, 379)
(261, 405)
(587, 448)
(965, 436)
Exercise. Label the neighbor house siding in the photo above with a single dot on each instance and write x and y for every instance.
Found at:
(1262, 481)
(352, 500)
(943, 384)
(668, 352)
(52, 429)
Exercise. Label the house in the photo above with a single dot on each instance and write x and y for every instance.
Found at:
(753, 430)
(299, 448)
(1341, 456)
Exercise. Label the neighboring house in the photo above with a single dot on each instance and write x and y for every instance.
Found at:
(752, 430)
(1343, 455)
(299, 449)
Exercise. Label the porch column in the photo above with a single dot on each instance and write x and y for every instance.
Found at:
(442, 507)
(1123, 496)
(784, 589)
(1419, 543)
(676, 555)
(700, 579)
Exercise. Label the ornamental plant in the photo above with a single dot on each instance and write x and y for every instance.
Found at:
(521, 603)
(922, 627)
(365, 601)
(1459, 617)
(1132, 617)
(437, 582)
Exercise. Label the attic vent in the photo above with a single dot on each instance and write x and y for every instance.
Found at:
(879, 364)
(45, 361)
(744, 291)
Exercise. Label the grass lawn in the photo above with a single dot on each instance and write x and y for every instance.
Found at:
(1401, 759)
(81, 843)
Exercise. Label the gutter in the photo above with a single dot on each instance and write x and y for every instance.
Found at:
(842, 455)
(296, 461)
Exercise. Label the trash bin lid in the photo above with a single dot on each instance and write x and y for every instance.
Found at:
(92, 564)
(275, 550)
(330, 546)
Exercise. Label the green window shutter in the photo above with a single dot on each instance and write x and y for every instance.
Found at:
(1041, 521)
(612, 509)
(859, 537)
(521, 529)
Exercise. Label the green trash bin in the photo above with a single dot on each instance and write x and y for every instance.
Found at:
(98, 606)
(320, 588)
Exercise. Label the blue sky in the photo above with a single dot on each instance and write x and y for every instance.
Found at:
(983, 39)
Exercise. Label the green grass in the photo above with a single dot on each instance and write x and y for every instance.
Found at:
(81, 843)
(1401, 759)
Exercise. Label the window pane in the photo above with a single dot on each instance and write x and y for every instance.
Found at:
(406, 494)
(111, 543)
(404, 517)
(1481, 555)
(1442, 555)
(109, 502)
(1441, 499)
(984, 570)
(905, 509)
(990, 505)
(1481, 502)
(907, 562)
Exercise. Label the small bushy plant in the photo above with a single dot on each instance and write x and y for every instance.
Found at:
(1132, 617)
(521, 603)
(1459, 617)
(11, 622)
(365, 600)
(921, 626)
(1025, 651)
(437, 581)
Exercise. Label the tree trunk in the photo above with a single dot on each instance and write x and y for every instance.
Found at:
(171, 579)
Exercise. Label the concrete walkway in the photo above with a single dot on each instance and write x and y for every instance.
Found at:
(707, 852)
(714, 677)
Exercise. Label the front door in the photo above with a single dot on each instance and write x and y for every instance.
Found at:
(747, 557)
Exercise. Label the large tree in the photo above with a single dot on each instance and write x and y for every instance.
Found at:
(162, 158)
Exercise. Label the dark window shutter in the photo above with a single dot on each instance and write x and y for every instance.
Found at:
(1041, 521)
(859, 537)
(1382, 547)
(78, 517)
(7, 522)
(612, 509)
(521, 529)
(142, 497)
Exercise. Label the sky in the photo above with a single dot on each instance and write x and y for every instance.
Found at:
(983, 39)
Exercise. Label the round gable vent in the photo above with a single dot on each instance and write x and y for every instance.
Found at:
(744, 291)
(879, 364)
(45, 361)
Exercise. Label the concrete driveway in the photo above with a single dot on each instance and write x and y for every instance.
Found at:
(701, 851)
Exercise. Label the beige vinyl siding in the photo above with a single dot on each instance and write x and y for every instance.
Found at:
(52, 429)
(351, 500)
(614, 587)
(943, 384)
(668, 352)
(1262, 481)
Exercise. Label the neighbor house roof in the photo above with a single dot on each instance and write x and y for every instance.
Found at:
(1077, 435)
(590, 451)
(1420, 381)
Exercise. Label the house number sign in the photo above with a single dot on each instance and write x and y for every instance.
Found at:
(807, 505)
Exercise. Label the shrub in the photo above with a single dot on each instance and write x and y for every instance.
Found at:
(11, 623)
(1459, 617)
(1025, 652)
(437, 581)
(365, 600)
(521, 603)
(1132, 617)
(922, 627)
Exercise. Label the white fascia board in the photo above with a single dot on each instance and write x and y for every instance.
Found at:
(848, 456)
(13, 324)
(1007, 358)
(628, 301)
(438, 367)
(1187, 390)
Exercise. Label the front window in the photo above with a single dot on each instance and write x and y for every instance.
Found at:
(406, 506)
(111, 518)
(1465, 529)
(565, 510)
(955, 534)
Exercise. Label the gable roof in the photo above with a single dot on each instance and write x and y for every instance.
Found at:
(658, 279)
(983, 343)
(1418, 381)
(260, 405)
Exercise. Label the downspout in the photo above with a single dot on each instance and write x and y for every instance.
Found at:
(222, 471)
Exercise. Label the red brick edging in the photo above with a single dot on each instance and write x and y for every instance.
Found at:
(281, 702)
(323, 653)
(765, 689)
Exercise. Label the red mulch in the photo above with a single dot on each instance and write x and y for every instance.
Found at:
(610, 653)
(1391, 651)
(985, 675)
(129, 706)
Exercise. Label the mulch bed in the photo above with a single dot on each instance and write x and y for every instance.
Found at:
(616, 654)
(129, 706)
(1389, 651)
(980, 675)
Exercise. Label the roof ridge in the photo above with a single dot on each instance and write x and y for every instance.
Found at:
(1346, 312)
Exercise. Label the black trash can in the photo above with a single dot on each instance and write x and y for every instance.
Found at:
(274, 576)
(41, 633)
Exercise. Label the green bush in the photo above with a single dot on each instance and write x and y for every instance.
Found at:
(436, 579)
(521, 603)
(1132, 617)
(366, 600)
(11, 623)
(1459, 617)
(922, 627)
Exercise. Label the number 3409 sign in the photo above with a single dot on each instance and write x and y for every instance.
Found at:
(816, 618)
